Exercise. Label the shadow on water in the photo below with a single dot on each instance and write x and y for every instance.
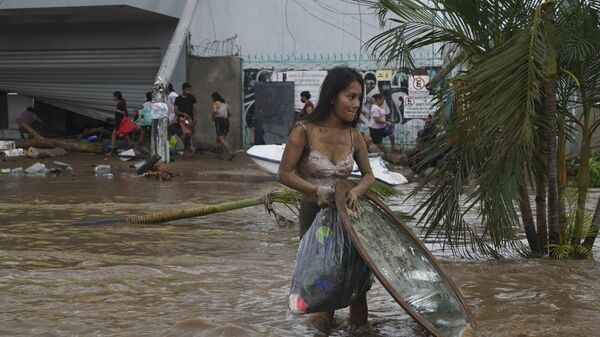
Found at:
(226, 274)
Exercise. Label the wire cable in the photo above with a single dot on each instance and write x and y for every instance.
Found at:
(212, 19)
(288, 28)
(325, 21)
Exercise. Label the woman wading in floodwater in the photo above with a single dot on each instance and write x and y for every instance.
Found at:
(321, 149)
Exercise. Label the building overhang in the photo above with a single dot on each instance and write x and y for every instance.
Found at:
(80, 14)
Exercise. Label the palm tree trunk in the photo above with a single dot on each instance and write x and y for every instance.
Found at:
(583, 182)
(550, 106)
(167, 216)
(527, 217)
(562, 182)
(540, 214)
(593, 232)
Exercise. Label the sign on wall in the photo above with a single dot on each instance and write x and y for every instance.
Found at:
(418, 102)
(384, 75)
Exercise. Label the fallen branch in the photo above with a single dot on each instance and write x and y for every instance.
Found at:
(287, 197)
(40, 141)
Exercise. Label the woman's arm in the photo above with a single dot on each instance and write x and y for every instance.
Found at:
(291, 156)
(309, 109)
(361, 156)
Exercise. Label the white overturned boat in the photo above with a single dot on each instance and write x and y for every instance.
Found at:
(268, 157)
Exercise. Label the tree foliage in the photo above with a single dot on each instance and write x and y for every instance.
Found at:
(490, 120)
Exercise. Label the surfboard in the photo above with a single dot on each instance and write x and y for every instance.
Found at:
(404, 266)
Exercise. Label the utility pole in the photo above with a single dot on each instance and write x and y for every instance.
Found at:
(160, 141)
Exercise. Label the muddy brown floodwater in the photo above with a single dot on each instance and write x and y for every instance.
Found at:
(226, 274)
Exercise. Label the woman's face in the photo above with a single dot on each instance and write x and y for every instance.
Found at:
(347, 102)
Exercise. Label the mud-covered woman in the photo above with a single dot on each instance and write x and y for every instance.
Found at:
(321, 149)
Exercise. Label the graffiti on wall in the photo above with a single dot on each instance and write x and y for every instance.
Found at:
(406, 101)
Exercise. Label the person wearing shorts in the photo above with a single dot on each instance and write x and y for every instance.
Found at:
(377, 122)
(120, 112)
(220, 115)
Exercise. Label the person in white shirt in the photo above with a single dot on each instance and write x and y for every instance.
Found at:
(377, 122)
(171, 102)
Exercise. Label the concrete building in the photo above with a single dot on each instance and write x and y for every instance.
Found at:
(72, 54)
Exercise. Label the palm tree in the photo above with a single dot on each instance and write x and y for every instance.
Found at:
(501, 133)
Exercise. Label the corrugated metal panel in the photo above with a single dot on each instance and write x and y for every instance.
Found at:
(81, 80)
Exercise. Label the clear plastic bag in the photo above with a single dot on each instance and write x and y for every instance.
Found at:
(329, 272)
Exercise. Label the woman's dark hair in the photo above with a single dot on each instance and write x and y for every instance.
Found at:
(149, 96)
(185, 85)
(170, 87)
(337, 79)
(377, 96)
(305, 94)
(118, 95)
(217, 97)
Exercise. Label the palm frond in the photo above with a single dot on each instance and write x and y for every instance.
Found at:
(490, 139)
(474, 26)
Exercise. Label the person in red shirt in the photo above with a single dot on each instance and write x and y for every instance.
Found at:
(308, 107)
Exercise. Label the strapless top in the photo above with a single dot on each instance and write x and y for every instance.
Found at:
(319, 170)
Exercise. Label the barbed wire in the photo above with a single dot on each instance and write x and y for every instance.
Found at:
(326, 61)
(227, 47)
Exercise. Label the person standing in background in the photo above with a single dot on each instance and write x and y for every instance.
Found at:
(171, 96)
(185, 109)
(308, 107)
(120, 112)
(220, 115)
(377, 122)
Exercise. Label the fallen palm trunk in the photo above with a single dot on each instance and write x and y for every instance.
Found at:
(40, 141)
(286, 196)
(282, 196)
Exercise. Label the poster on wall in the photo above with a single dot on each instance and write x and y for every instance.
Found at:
(309, 80)
(417, 104)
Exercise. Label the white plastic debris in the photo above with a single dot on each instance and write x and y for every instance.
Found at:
(62, 166)
(159, 110)
(127, 155)
(102, 169)
(37, 169)
(7, 145)
(14, 152)
(139, 164)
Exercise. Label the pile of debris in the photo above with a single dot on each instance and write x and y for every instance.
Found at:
(159, 172)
